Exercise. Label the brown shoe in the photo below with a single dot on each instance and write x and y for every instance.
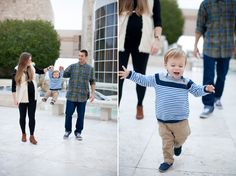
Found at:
(32, 140)
(23, 139)
(139, 114)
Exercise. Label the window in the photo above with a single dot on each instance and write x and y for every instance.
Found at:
(110, 20)
(110, 8)
(109, 43)
(105, 43)
(108, 66)
(110, 31)
(109, 55)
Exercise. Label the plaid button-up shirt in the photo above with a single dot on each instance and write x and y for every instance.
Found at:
(80, 77)
(216, 21)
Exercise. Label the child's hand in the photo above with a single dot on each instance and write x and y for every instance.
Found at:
(210, 88)
(123, 74)
(50, 67)
(61, 68)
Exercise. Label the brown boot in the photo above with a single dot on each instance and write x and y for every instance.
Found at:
(139, 114)
(23, 139)
(32, 140)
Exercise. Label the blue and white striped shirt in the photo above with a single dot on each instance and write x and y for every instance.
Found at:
(171, 101)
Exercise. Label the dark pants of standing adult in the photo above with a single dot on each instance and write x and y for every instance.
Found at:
(70, 109)
(222, 66)
(139, 64)
(31, 107)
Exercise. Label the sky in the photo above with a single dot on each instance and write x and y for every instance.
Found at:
(68, 13)
(189, 4)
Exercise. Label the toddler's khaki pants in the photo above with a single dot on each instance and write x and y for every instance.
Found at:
(173, 135)
(52, 93)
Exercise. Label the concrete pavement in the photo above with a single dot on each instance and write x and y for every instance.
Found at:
(210, 150)
(96, 155)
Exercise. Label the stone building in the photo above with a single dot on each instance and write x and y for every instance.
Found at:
(190, 17)
(99, 37)
(26, 10)
(70, 43)
(105, 41)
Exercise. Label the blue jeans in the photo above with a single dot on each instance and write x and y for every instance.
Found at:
(70, 109)
(222, 66)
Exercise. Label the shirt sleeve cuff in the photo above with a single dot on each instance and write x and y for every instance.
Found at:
(130, 73)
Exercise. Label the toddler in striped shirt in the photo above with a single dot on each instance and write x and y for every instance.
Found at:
(171, 102)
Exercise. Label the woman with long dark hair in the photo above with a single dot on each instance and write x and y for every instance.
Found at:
(24, 91)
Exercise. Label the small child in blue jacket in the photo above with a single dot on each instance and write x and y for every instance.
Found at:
(55, 84)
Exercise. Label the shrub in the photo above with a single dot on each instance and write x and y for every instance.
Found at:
(172, 20)
(34, 36)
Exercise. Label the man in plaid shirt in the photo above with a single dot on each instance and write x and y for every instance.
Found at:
(81, 75)
(216, 22)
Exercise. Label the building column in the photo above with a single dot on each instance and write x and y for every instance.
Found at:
(87, 28)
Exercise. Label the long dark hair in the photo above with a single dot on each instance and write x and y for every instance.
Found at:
(23, 67)
(127, 5)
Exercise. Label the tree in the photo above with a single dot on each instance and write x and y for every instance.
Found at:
(34, 36)
(172, 20)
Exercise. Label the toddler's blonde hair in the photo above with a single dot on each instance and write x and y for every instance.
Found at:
(174, 53)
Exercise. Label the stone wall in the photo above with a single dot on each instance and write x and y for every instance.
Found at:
(190, 17)
(70, 42)
(26, 9)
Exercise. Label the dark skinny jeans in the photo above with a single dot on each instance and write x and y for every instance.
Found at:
(23, 108)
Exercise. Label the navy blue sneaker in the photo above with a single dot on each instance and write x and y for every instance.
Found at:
(67, 134)
(164, 167)
(177, 151)
(78, 136)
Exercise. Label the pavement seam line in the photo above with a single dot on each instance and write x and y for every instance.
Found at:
(136, 166)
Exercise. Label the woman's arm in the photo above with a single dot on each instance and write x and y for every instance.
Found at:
(157, 26)
(157, 19)
(13, 88)
(156, 13)
(41, 71)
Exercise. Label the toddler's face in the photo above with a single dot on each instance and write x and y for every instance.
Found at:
(55, 75)
(175, 67)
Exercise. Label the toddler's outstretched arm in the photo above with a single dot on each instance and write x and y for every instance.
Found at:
(142, 80)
